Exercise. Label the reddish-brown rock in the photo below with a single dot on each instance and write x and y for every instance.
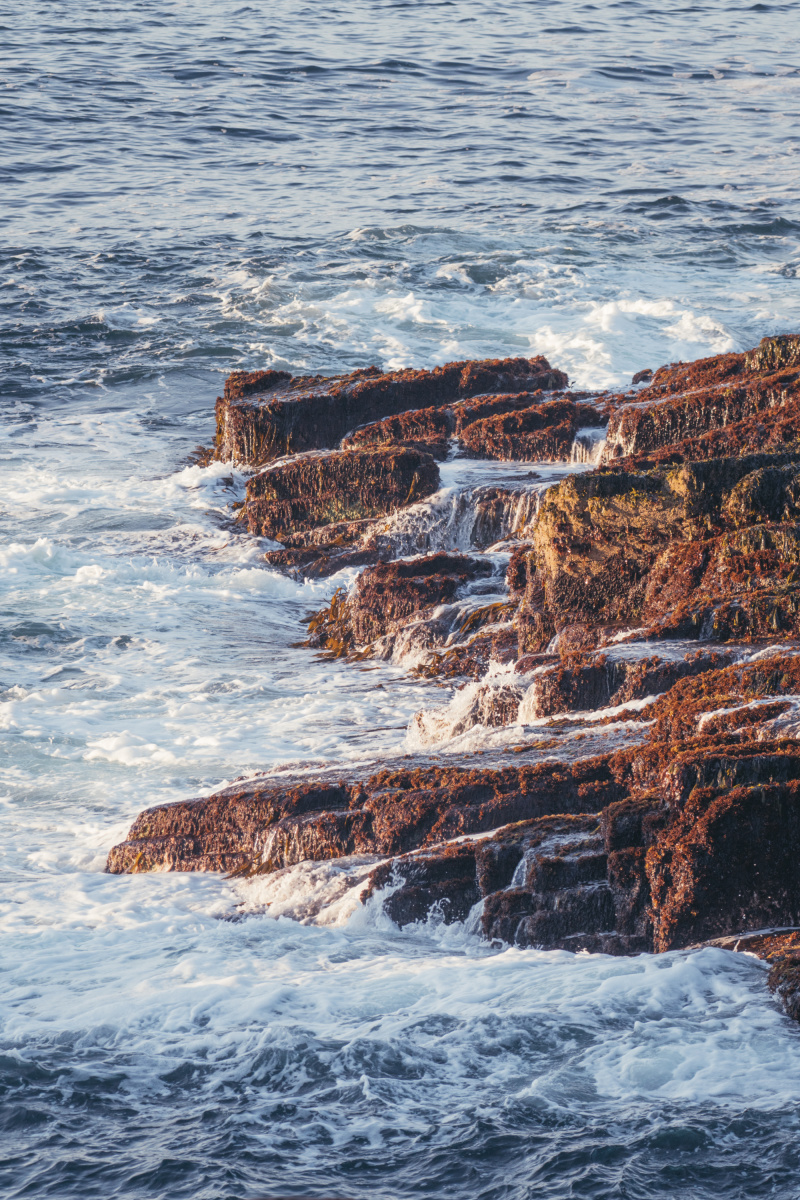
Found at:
(595, 680)
(670, 548)
(261, 825)
(431, 427)
(223, 832)
(677, 713)
(345, 486)
(728, 862)
(263, 415)
(689, 834)
(525, 426)
(721, 406)
(388, 594)
(541, 432)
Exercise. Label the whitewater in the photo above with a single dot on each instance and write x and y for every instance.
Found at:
(191, 189)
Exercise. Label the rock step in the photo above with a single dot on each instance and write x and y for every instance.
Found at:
(524, 426)
(602, 679)
(544, 919)
(666, 551)
(346, 486)
(555, 873)
(728, 404)
(272, 822)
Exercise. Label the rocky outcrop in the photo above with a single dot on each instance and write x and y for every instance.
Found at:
(654, 848)
(663, 587)
(631, 851)
(600, 679)
(264, 415)
(559, 894)
(731, 699)
(322, 551)
(261, 825)
(731, 404)
(429, 427)
(343, 487)
(653, 870)
(728, 861)
(482, 515)
(670, 548)
(225, 832)
(544, 431)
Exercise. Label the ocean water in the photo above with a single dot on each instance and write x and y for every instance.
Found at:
(189, 188)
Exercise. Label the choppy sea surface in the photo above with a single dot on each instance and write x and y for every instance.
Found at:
(189, 188)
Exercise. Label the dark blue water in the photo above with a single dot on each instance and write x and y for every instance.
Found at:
(189, 188)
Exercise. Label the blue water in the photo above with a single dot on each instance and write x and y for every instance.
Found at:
(189, 188)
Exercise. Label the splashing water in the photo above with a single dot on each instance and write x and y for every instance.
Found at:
(588, 447)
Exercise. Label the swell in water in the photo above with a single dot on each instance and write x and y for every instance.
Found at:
(192, 188)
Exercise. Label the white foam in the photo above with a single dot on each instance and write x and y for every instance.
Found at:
(322, 893)
(144, 964)
(450, 519)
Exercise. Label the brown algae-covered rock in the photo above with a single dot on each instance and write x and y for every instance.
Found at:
(388, 594)
(339, 487)
(265, 824)
(541, 432)
(263, 415)
(524, 427)
(755, 397)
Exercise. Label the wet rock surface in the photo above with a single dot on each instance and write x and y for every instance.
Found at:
(730, 404)
(525, 426)
(386, 595)
(546, 430)
(677, 550)
(634, 629)
(264, 415)
(343, 487)
(265, 824)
